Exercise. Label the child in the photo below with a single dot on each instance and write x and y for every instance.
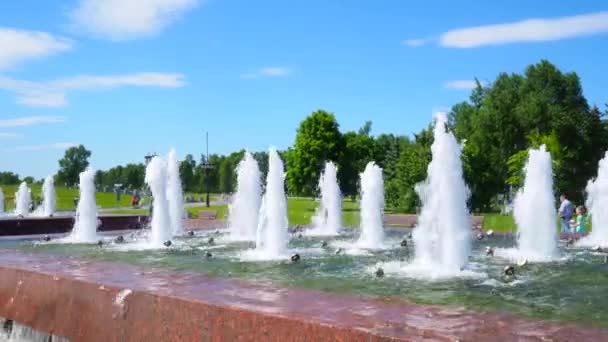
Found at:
(578, 226)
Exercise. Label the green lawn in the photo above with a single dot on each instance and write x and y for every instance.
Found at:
(499, 223)
(65, 197)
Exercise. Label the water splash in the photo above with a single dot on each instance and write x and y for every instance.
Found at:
(245, 205)
(48, 196)
(328, 218)
(442, 236)
(23, 199)
(85, 226)
(271, 237)
(534, 211)
(175, 195)
(597, 203)
(372, 208)
(156, 178)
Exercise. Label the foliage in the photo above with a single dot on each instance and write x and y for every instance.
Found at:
(502, 119)
(74, 161)
(186, 173)
(318, 140)
(9, 178)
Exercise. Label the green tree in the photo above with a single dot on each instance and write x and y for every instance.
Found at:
(186, 173)
(359, 149)
(9, 178)
(74, 161)
(134, 175)
(318, 139)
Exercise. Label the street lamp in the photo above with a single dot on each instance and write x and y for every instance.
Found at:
(206, 165)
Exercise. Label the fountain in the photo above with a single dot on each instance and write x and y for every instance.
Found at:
(23, 200)
(442, 235)
(174, 194)
(328, 218)
(271, 237)
(48, 194)
(245, 205)
(372, 208)
(534, 211)
(85, 225)
(597, 203)
(156, 178)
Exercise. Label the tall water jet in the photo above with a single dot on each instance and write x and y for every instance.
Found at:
(597, 203)
(156, 178)
(442, 235)
(85, 226)
(328, 218)
(372, 208)
(245, 205)
(175, 195)
(534, 209)
(48, 196)
(271, 237)
(23, 199)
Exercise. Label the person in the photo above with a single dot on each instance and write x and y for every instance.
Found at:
(578, 225)
(566, 209)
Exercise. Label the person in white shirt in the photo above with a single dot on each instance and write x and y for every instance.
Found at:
(566, 209)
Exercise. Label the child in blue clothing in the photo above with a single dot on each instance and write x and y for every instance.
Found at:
(578, 226)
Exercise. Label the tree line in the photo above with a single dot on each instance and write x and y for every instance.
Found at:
(497, 125)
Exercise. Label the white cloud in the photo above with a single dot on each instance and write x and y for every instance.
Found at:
(127, 19)
(461, 84)
(275, 71)
(53, 93)
(17, 46)
(9, 135)
(30, 120)
(530, 30)
(267, 72)
(54, 146)
(414, 42)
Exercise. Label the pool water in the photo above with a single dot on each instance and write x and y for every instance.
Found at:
(573, 288)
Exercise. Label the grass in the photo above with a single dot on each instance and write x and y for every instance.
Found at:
(499, 223)
(65, 197)
(299, 211)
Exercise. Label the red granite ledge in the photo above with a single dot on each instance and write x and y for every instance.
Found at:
(98, 301)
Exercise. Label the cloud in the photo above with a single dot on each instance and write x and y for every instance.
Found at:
(9, 135)
(124, 20)
(267, 72)
(461, 84)
(414, 42)
(53, 146)
(275, 71)
(30, 120)
(530, 30)
(54, 93)
(17, 46)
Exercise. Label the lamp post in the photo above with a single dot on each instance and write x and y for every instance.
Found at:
(206, 165)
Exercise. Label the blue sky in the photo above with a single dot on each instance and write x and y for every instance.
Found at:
(129, 77)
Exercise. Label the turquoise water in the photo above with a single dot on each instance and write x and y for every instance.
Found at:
(573, 288)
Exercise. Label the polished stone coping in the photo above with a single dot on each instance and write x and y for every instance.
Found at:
(85, 300)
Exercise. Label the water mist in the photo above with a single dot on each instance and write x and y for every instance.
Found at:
(174, 194)
(85, 225)
(328, 217)
(245, 204)
(271, 237)
(372, 208)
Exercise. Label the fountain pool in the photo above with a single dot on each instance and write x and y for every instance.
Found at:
(537, 290)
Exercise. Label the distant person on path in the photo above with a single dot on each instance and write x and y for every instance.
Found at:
(566, 209)
(578, 225)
